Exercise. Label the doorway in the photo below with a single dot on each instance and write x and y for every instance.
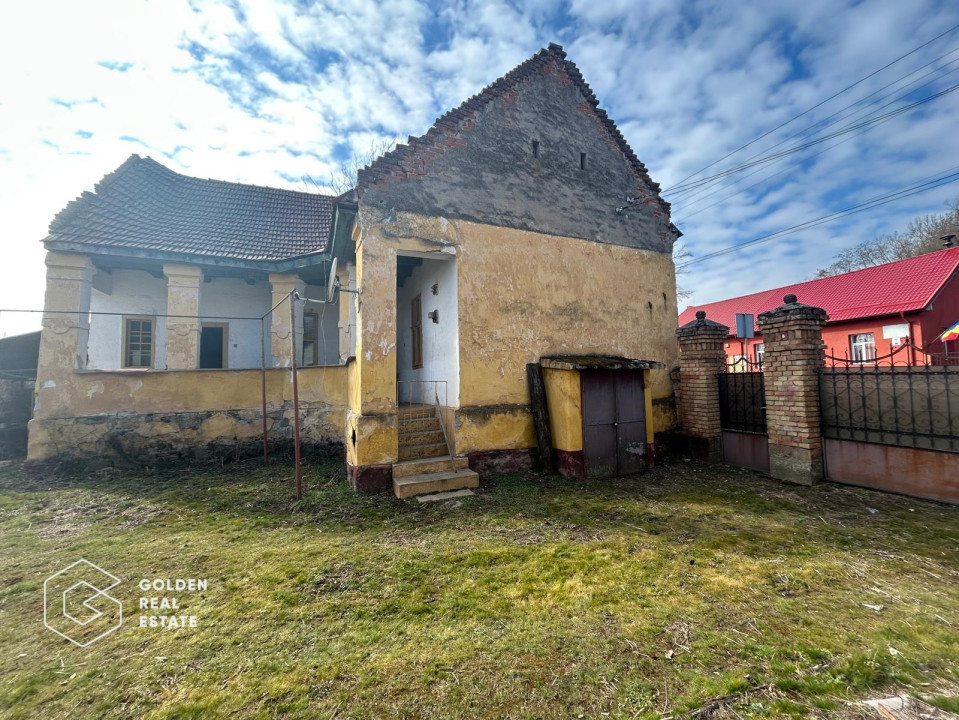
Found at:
(614, 422)
(213, 346)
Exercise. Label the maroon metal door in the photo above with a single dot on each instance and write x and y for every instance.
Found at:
(614, 422)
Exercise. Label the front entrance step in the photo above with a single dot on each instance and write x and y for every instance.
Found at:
(413, 425)
(426, 437)
(408, 468)
(434, 482)
(427, 450)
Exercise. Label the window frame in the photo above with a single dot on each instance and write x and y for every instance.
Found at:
(315, 338)
(854, 342)
(759, 353)
(416, 332)
(125, 339)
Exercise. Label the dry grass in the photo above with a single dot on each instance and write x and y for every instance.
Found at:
(539, 597)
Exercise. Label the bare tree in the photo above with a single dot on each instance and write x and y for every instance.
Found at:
(681, 254)
(922, 235)
(343, 178)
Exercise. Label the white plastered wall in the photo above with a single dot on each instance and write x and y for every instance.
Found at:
(328, 333)
(133, 292)
(440, 340)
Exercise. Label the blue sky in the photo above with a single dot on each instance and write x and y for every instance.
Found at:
(275, 92)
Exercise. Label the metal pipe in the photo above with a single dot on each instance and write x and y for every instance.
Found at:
(263, 379)
(296, 400)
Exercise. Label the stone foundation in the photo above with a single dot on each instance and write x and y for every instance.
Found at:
(495, 462)
(146, 438)
(370, 479)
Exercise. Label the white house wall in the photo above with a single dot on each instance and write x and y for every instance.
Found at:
(134, 292)
(329, 315)
(234, 297)
(440, 340)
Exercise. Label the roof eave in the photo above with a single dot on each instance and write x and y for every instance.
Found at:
(276, 265)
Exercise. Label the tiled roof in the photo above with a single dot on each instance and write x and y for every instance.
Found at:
(143, 205)
(896, 287)
(394, 160)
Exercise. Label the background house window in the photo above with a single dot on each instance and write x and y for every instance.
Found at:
(760, 351)
(137, 342)
(416, 326)
(862, 347)
(311, 324)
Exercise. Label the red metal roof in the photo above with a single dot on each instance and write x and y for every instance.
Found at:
(896, 287)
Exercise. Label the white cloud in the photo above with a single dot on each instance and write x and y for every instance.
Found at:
(261, 91)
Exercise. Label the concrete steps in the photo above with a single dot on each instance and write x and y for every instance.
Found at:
(425, 466)
(434, 482)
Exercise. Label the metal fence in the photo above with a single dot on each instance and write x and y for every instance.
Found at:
(742, 401)
(905, 405)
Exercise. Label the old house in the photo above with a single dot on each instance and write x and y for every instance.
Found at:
(872, 312)
(519, 227)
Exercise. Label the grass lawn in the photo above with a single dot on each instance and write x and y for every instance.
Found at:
(539, 597)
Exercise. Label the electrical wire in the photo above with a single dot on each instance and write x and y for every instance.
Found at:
(842, 131)
(697, 195)
(816, 106)
(916, 188)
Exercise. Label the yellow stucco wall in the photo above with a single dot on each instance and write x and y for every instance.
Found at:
(74, 409)
(521, 295)
(564, 398)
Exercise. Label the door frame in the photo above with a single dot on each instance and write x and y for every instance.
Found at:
(226, 344)
(646, 405)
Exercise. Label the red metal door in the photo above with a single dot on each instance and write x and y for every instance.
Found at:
(614, 422)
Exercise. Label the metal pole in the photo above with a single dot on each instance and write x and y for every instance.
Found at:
(296, 400)
(263, 379)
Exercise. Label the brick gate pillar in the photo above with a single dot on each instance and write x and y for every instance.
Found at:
(794, 352)
(702, 357)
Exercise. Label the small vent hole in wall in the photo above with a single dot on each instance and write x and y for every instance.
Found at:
(535, 148)
(665, 302)
(650, 304)
(582, 161)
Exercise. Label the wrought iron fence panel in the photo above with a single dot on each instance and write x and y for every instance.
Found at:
(742, 402)
(905, 405)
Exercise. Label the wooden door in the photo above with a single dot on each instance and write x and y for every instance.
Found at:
(614, 422)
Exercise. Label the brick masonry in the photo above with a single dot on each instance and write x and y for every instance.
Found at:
(702, 357)
(794, 353)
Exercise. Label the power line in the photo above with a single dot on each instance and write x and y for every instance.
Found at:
(693, 200)
(842, 131)
(904, 91)
(814, 107)
(951, 176)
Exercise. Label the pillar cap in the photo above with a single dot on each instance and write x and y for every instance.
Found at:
(700, 326)
(794, 310)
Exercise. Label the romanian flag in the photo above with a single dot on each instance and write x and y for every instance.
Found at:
(951, 333)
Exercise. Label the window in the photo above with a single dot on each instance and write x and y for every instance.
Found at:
(311, 325)
(416, 327)
(760, 351)
(862, 347)
(137, 342)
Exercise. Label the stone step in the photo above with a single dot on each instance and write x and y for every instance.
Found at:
(422, 437)
(419, 425)
(427, 450)
(426, 483)
(407, 468)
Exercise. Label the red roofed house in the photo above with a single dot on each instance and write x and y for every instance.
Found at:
(871, 312)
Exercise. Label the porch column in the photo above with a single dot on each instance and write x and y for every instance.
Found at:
(283, 285)
(701, 359)
(794, 353)
(345, 325)
(183, 333)
(372, 425)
